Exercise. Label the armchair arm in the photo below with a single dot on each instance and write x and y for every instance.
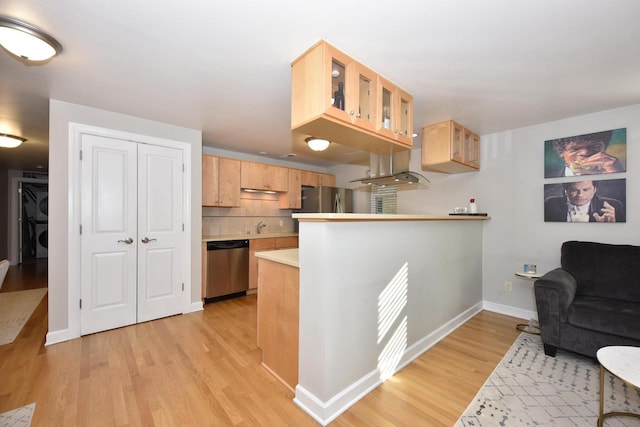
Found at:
(554, 292)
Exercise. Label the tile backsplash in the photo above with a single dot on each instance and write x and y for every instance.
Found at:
(254, 207)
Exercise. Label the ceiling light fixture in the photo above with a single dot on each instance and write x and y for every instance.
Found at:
(317, 144)
(10, 141)
(26, 41)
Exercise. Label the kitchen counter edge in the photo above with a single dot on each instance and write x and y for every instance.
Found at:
(246, 236)
(282, 256)
(319, 217)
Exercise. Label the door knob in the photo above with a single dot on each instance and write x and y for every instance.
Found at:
(147, 240)
(128, 241)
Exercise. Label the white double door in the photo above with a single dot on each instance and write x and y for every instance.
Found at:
(132, 233)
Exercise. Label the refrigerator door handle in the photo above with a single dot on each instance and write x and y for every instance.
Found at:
(338, 204)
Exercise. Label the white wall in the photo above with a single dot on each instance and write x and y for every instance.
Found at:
(509, 187)
(373, 297)
(60, 204)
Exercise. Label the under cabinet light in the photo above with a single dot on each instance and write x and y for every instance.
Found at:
(251, 190)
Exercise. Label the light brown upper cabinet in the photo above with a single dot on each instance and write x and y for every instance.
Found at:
(449, 147)
(220, 181)
(376, 115)
(260, 176)
(326, 180)
(316, 179)
(292, 199)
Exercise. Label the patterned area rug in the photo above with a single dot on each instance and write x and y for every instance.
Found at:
(528, 388)
(15, 309)
(20, 417)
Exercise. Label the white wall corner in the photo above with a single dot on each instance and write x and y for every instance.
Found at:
(56, 337)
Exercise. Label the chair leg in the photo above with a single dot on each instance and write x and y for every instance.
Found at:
(550, 350)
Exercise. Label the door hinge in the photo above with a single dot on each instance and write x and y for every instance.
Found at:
(80, 154)
(81, 303)
(183, 167)
(182, 226)
(183, 287)
(80, 228)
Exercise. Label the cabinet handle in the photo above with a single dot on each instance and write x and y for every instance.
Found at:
(147, 240)
(352, 112)
(128, 241)
(396, 131)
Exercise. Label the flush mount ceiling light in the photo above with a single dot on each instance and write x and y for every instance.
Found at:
(26, 41)
(10, 141)
(317, 144)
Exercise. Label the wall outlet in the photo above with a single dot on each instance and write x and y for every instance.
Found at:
(508, 286)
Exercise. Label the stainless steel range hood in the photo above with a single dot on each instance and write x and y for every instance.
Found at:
(391, 169)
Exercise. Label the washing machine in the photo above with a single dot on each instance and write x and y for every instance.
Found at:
(42, 240)
(42, 206)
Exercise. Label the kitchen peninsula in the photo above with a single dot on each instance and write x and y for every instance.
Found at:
(375, 291)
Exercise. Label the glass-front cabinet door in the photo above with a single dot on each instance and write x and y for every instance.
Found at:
(403, 129)
(471, 149)
(457, 135)
(386, 107)
(339, 70)
(362, 107)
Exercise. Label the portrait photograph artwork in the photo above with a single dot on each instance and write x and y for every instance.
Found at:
(586, 201)
(589, 154)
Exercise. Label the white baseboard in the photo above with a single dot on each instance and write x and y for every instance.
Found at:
(509, 311)
(325, 412)
(196, 306)
(56, 337)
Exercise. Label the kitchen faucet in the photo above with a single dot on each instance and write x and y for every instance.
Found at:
(260, 226)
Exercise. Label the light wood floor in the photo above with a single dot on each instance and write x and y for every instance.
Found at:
(204, 369)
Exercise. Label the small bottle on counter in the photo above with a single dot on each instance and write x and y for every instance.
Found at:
(473, 208)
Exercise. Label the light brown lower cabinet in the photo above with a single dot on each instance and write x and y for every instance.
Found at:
(271, 243)
(278, 320)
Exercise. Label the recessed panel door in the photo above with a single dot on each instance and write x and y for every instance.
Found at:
(160, 234)
(108, 266)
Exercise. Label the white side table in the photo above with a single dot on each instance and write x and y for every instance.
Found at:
(528, 327)
(622, 362)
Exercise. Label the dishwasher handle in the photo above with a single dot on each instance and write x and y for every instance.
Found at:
(227, 244)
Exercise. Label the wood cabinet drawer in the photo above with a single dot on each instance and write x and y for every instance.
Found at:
(262, 244)
(286, 242)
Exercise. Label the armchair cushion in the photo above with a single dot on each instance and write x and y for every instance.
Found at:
(606, 315)
(603, 270)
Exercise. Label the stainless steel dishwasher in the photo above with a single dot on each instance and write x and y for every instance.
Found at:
(227, 269)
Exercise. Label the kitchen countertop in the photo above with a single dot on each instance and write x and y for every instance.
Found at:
(337, 217)
(282, 256)
(247, 236)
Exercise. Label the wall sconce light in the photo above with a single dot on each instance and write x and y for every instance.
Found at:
(26, 41)
(317, 144)
(10, 141)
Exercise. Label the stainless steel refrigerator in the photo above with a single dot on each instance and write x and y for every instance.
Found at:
(326, 200)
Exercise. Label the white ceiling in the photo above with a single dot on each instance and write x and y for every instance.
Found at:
(224, 67)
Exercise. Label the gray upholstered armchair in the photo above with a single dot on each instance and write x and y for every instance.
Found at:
(592, 300)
